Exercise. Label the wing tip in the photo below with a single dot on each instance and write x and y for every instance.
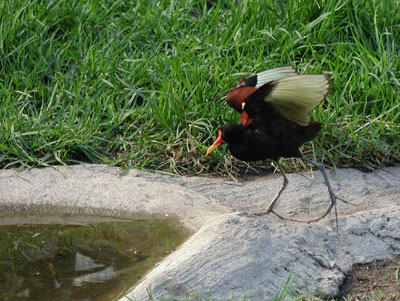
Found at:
(329, 83)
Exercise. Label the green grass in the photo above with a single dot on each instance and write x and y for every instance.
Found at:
(142, 84)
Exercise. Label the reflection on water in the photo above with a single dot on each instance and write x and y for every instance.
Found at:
(86, 262)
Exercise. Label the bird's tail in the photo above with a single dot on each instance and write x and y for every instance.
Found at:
(310, 131)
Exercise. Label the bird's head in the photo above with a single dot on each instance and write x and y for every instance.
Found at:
(229, 133)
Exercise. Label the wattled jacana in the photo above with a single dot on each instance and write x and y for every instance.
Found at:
(274, 108)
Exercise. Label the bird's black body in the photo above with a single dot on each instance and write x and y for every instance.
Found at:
(269, 135)
(266, 139)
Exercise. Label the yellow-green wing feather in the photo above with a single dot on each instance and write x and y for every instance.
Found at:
(274, 74)
(296, 96)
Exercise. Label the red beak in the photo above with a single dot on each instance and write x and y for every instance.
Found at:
(216, 143)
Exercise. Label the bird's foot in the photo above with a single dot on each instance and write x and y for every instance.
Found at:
(292, 219)
(345, 201)
(334, 199)
(261, 213)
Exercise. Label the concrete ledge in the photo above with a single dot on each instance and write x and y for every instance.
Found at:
(232, 253)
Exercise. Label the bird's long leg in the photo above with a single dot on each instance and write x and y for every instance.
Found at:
(271, 205)
(332, 195)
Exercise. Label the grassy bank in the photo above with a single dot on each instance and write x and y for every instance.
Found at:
(142, 83)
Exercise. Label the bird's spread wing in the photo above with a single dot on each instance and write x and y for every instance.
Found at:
(296, 96)
(266, 76)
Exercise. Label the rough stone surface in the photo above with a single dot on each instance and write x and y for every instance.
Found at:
(232, 253)
(100, 189)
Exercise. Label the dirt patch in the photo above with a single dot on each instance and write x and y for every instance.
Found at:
(373, 281)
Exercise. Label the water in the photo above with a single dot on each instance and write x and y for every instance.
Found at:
(97, 260)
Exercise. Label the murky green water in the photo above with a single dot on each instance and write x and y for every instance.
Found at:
(95, 261)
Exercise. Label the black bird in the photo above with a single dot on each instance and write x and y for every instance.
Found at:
(274, 108)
